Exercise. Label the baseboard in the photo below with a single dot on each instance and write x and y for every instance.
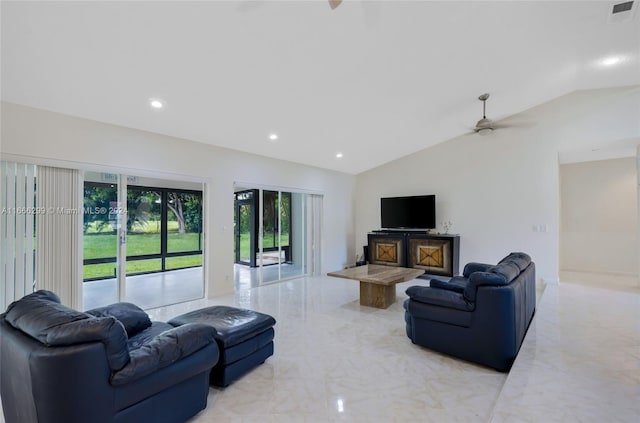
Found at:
(602, 272)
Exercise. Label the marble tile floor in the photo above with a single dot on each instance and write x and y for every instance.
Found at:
(176, 286)
(580, 361)
(338, 361)
(148, 290)
(616, 282)
(246, 277)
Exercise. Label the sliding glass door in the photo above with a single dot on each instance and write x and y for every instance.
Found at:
(142, 241)
(272, 239)
(100, 243)
(272, 254)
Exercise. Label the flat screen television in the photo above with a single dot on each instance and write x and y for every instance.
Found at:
(416, 212)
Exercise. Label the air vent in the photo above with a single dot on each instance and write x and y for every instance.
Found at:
(622, 12)
(622, 7)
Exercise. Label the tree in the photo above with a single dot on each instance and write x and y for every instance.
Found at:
(187, 209)
(98, 198)
(142, 206)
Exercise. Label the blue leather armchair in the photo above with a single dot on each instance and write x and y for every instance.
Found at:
(110, 364)
(481, 316)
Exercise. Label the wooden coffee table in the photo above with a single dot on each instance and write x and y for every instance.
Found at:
(378, 283)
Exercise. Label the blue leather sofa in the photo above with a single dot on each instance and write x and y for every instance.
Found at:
(110, 364)
(481, 316)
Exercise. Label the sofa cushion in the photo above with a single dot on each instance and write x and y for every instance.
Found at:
(132, 317)
(35, 314)
(508, 270)
(456, 283)
(164, 350)
(472, 267)
(44, 295)
(438, 297)
(521, 260)
(41, 316)
(147, 335)
(498, 275)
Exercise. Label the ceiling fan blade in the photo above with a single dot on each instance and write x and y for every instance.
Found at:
(514, 122)
(334, 3)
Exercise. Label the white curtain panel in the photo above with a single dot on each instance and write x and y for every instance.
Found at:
(59, 233)
(17, 201)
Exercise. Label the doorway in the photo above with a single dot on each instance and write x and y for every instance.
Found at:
(275, 235)
(599, 223)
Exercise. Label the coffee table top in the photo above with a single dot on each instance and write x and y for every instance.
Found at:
(378, 274)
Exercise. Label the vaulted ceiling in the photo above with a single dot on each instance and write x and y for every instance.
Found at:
(373, 80)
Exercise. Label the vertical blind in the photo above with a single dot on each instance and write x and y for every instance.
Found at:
(17, 219)
(315, 235)
(59, 231)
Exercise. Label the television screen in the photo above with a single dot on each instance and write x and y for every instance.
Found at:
(417, 212)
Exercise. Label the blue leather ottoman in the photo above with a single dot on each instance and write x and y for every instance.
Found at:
(244, 337)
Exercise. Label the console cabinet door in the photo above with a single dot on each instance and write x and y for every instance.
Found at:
(387, 249)
(437, 255)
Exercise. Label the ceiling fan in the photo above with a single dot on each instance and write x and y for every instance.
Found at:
(484, 126)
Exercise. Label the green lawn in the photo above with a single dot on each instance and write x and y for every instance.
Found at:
(183, 261)
(91, 271)
(267, 242)
(104, 245)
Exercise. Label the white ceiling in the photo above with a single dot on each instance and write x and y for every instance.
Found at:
(375, 80)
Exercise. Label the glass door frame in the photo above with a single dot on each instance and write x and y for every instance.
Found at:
(253, 224)
(303, 229)
(121, 260)
(119, 210)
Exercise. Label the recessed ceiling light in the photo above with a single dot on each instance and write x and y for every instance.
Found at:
(339, 155)
(156, 103)
(273, 137)
(610, 61)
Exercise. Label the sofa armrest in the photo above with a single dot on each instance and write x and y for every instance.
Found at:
(475, 267)
(455, 284)
(439, 297)
(164, 350)
(107, 330)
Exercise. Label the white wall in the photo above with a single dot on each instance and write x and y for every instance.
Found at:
(499, 189)
(493, 189)
(42, 137)
(599, 216)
